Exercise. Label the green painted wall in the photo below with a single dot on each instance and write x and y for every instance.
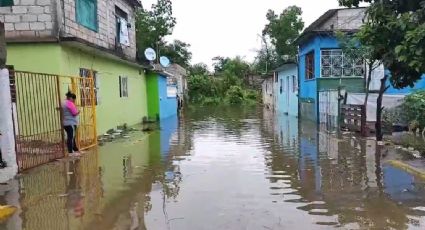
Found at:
(111, 110)
(56, 59)
(153, 95)
(34, 57)
(354, 85)
(35, 105)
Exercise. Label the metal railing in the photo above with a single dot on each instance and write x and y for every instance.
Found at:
(37, 101)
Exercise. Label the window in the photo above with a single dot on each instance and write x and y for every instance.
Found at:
(122, 33)
(86, 13)
(281, 86)
(171, 87)
(294, 83)
(123, 87)
(335, 64)
(85, 87)
(6, 3)
(309, 66)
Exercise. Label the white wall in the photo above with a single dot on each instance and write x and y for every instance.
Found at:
(7, 139)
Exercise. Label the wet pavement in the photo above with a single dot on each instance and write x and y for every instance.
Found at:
(221, 168)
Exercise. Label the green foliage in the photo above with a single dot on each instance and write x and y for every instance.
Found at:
(219, 63)
(151, 28)
(395, 31)
(414, 108)
(199, 69)
(235, 95)
(178, 52)
(267, 59)
(226, 87)
(284, 29)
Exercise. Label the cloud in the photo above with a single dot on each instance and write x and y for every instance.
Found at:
(230, 27)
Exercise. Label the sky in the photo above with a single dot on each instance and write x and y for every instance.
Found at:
(231, 27)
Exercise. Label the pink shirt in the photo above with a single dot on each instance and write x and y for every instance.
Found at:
(72, 108)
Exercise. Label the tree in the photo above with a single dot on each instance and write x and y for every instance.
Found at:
(152, 26)
(353, 49)
(284, 29)
(178, 52)
(200, 69)
(219, 63)
(401, 52)
(267, 58)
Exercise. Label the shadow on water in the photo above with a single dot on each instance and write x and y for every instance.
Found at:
(221, 168)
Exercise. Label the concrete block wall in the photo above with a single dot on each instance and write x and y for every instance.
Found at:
(105, 36)
(41, 20)
(29, 20)
(345, 19)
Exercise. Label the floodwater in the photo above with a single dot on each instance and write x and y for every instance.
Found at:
(221, 168)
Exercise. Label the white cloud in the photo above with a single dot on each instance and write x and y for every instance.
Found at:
(230, 27)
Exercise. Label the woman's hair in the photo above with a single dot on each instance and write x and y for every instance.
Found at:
(71, 95)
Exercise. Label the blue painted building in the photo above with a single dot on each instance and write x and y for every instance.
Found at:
(325, 73)
(162, 96)
(287, 89)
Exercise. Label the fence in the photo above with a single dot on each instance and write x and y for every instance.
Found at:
(36, 102)
(329, 108)
(354, 118)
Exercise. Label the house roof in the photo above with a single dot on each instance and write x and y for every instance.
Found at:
(285, 65)
(314, 28)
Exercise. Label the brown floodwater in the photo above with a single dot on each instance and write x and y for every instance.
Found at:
(221, 168)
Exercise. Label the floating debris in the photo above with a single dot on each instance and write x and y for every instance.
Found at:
(6, 212)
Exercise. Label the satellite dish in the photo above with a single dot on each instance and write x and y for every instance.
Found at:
(164, 61)
(150, 54)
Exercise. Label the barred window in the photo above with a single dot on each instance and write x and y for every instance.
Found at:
(85, 87)
(335, 64)
(123, 87)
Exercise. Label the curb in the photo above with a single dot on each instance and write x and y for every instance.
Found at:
(408, 168)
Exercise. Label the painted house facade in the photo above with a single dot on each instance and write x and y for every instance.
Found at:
(162, 95)
(287, 89)
(268, 91)
(73, 37)
(180, 74)
(324, 71)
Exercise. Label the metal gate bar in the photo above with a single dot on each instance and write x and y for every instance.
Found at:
(36, 100)
(38, 129)
(83, 87)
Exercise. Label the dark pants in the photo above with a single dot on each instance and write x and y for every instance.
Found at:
(71, 132)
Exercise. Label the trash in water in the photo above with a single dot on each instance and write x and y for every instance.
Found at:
(6, 212)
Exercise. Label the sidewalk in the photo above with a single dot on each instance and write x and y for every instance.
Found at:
(414, 167)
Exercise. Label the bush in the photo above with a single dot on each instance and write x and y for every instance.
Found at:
(235, 95)
(414, 108)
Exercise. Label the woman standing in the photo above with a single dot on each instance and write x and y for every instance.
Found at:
(70, 122)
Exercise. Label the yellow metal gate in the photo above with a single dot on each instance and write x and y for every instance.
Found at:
(37, 101)
(84, 88)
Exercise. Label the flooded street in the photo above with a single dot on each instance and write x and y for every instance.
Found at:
(221, 168)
